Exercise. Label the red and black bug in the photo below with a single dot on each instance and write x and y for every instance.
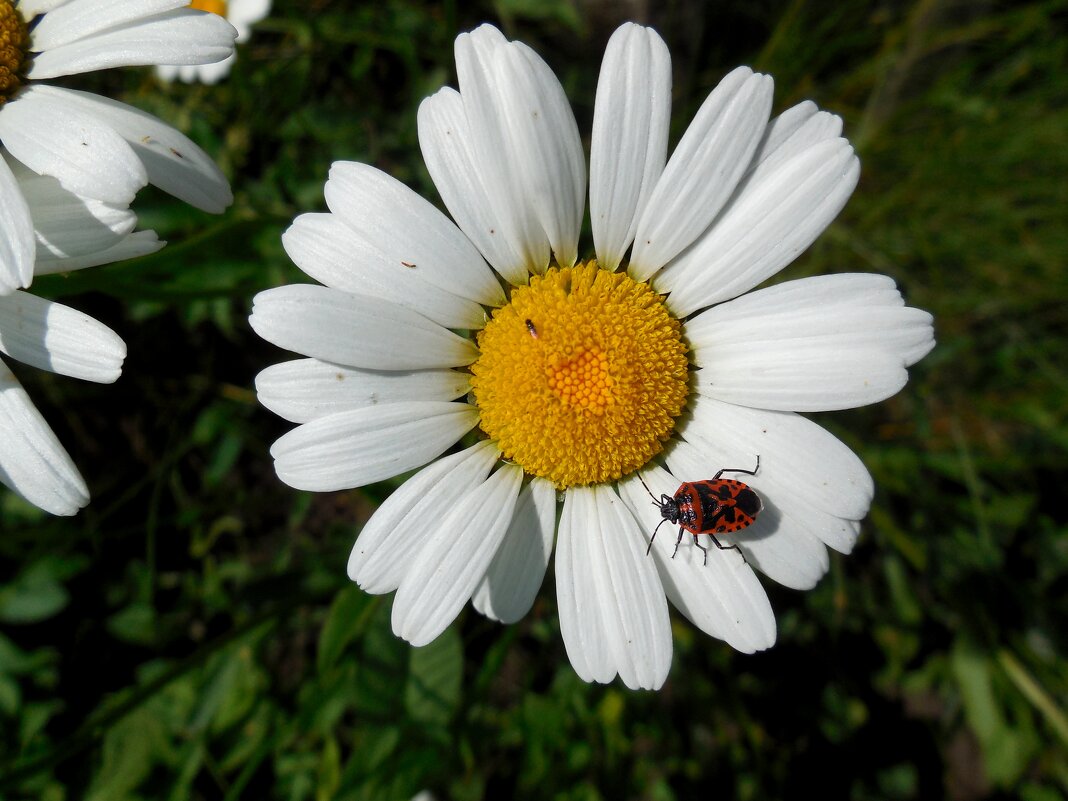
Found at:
(713, 506)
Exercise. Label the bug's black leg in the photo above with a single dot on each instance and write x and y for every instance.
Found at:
(752, 472)
(650, 548)
(723, 547)
(702, 547)
(678, 542)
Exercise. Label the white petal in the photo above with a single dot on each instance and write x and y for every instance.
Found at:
(55, 337)
(794, 131)
(362, 446)
(777, 545)
(172, 161)
(77, 19)
(17, 243)
(482, 89)
(139, 243)
(31, 8)
(701, 175)
(723, 598)
(451, 155)
(579, 607)
(796, 455)
(213, 73)
(780, 212)
(307, 389)
(329, 251)
(545, 145)
(390, 540)
(247, 12)
(181, 36)
(605, 568)
(852, 310)
(631, 117)
(454, 558)
(354, 330)
(797, 376)
(511, 583)
(399, 226)
(32, 462)
(51, 137)
(67, 224)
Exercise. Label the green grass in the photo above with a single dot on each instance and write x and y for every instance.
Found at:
(192, 635)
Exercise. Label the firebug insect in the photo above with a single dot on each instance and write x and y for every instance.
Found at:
(713, 506)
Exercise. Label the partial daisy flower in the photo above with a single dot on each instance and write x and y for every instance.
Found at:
(242, 14)
(95, 147)
(583, 380)
(71, 232)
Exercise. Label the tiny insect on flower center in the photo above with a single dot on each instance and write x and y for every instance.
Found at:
(214, 6)
(14, 42)
(581, 375)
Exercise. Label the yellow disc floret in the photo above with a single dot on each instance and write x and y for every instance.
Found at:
(581, 375)
(14, 41)
(214, 6)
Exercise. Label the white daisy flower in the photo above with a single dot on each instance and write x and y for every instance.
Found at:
(242, 14)
(70, 233)
(95, 147)
(585, 380)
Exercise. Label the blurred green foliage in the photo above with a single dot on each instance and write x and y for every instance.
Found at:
(192, 635)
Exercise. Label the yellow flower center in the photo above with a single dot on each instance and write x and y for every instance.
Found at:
(581, 375)
(14, 42)
(214, 6)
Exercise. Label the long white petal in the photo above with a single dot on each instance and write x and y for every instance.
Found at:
(544, 140)
(779, 546)
(803, 377)
(482, 87)
(354, 330)
(139, 243)
(636, 614)
(511, 583)
(628, 150)
(781, 211)
(77, 19)
(405, 230)
(581, 613)
(172, 161)
(454, 558)
(362, 446)
(722, 597)
(32, 461)
(390, 540)
(702, 173)
(17, 245)
(55, 337)
(331, 252)
(451, 155)
(84, 153)
(181, 36)
(67, 224)
(851, 310)
(303, 390)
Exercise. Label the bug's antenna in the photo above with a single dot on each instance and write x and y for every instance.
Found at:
(639, 475)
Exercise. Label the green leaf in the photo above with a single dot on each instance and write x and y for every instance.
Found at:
(35, 595)
(347, 617)
(135, 623)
